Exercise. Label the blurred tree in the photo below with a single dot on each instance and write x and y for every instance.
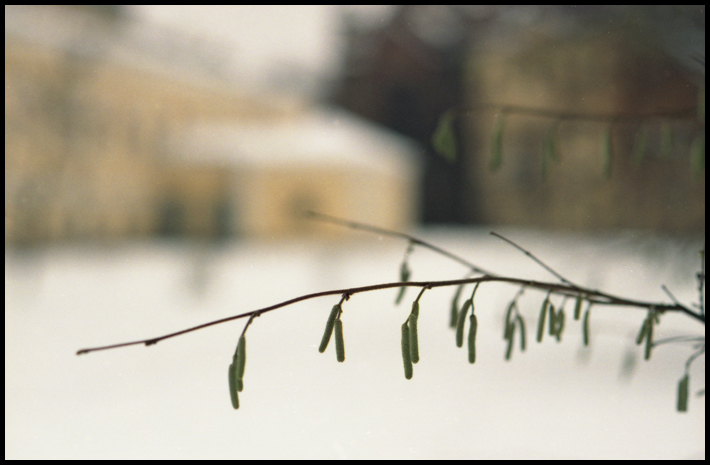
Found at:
(408, 72)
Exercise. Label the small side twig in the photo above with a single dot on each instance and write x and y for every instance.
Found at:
(536, 260)
(669, 294)
(387, 232)
(677, 339)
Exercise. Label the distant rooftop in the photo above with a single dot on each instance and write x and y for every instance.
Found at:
(320, 136)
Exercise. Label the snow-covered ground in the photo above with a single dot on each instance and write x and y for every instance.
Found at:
(556, 400)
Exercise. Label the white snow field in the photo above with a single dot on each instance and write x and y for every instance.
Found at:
(171, 400)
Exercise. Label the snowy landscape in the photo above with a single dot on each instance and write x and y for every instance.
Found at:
(171, 400)
(261, 98)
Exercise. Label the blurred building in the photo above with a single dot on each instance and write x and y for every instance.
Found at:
(319, 160)
(404, 73)
(579, 69)
(100, 111)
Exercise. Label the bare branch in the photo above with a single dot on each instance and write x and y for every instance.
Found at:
(386, 232)
(536, 260)
(566, 289)
(669, 294)
(597, 297)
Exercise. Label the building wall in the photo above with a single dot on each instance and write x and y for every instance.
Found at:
(595, 74)
(90, 153)
(395, 77)
(271, 202)
(596, 60)
(86, 145)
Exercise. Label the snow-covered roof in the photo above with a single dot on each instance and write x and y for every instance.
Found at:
(318, 137)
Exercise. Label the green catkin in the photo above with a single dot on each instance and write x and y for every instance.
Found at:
(667, 139)
(655, 315)
(541, 320)
(507, 332)
(578, 307)
(553, 152)
(640, 146)
(444, 140)
(559, 324)
(241, 357)
(649, 339)
(455, 307)
(701, 104)
(683, 394)
(585, 327)
(552, 320)
(413, 336)
(472, 339)
(549, 150)
(339, 341)
(607, 152)
(404, 274)
(497, 146)
(329, 328)
(643, 331)
(548, 146)
(545, 162)
(406, 356)
(697, 155)
(461, 322)
(509, 350)
(519, 319)
(233, 386)
(400, 295)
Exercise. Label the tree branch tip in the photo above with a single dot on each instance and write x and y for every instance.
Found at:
(566, 288)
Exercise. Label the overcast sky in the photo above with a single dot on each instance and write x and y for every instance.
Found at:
(264, 38)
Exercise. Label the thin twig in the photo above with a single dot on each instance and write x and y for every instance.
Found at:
(536, 260)
(414, 240)
(692, 358)
(387, 232)
(566, 289)
(422, 293)
(669, 294)
(246, 326)
(676, 339)
(598, 298)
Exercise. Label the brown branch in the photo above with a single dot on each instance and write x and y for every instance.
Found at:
(536, 260)
(567, 288)
(387, 232)
(415, 240)
(598, 298)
